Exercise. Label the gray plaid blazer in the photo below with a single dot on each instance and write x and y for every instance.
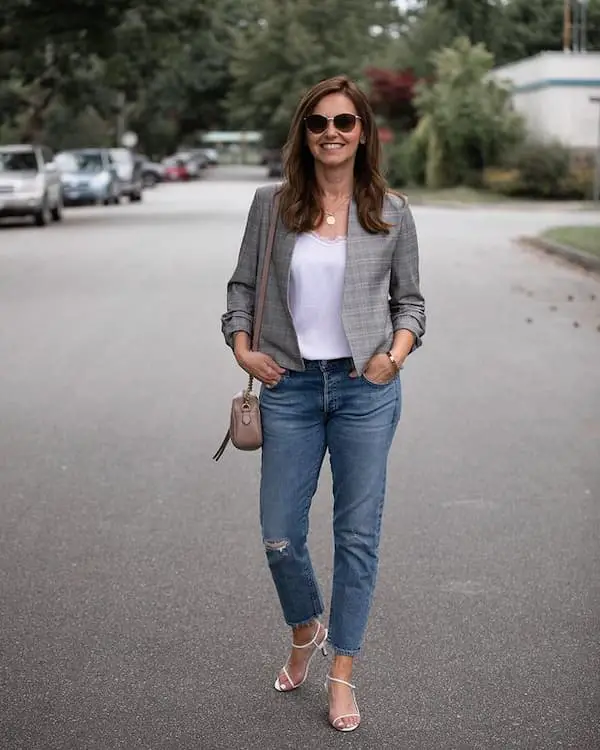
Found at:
(381, 292)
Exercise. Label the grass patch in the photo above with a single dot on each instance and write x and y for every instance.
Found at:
(464, 195)
(586, 239)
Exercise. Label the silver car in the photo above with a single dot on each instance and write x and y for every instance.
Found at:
(30, 183)
(88, 176)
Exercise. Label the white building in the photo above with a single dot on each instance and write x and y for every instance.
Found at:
(552, 91)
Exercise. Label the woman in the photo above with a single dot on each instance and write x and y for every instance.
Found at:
(343, 311)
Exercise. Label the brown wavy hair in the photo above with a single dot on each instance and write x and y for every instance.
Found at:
(301, 209)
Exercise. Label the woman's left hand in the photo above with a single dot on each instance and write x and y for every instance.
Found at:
(379, 370)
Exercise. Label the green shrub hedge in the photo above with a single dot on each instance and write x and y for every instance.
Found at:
(540, 170)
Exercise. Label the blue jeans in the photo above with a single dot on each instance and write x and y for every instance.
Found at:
(304, 415)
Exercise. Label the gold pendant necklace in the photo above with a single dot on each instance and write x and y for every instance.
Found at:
(330, 217)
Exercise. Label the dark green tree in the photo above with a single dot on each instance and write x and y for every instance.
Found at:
(50, 51)
(466, 122)
(422, 32)
(161, 69)
(511, 29)
(293, 45)
(536, 26)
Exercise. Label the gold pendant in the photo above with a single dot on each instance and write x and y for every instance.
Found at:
(330, 219)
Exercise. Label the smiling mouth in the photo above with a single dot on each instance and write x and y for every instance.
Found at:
(332, 146)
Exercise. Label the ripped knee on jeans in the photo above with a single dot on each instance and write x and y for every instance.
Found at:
(276, 545)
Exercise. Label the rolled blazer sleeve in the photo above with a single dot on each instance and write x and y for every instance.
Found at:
(242, 285)
(407, 306)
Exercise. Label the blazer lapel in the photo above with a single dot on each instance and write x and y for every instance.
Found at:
(282, 256)
(356, 237)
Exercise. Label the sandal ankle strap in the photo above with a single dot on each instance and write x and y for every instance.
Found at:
(312, 642)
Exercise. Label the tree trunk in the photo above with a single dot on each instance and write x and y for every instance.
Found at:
(32, 128)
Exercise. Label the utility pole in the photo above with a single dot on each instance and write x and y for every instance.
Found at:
(121, 124)
(567, 27)
(576, 24)
(596, 100)
(584, 25)
(579, 21)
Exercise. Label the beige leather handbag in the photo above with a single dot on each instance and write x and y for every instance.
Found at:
(245, 429)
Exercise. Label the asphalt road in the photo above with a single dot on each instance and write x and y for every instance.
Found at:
(136, 609)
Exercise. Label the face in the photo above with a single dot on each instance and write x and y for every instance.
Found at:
(334, 147)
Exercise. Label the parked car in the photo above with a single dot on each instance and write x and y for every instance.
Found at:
(88, 176)
(275, 167)
(129, 172)
(29, 183)
(200, 156)
(212, 156)
(268, 155)
(152, 172)
(176, 169)
(195, 161)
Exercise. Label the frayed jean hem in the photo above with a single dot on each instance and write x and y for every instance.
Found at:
(308, 620)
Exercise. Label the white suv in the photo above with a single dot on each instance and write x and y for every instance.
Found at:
(30, 183)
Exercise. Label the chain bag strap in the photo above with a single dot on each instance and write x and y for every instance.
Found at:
(245, 429)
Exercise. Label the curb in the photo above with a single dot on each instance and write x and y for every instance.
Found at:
(579, 257)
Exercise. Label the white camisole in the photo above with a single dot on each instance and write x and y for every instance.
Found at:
(316, 292)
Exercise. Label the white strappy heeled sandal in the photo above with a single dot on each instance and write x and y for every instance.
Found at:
(281, 687)
(334, 722)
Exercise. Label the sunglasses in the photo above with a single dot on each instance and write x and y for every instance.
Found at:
(344, 123)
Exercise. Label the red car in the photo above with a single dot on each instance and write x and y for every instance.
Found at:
(175, 170)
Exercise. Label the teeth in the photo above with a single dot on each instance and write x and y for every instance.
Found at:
(332, 145)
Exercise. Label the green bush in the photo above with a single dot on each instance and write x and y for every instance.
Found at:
(417, 157)
(397, 164)
(405, 161)
(543, 169)
(579, 184)
(501, 180)
(467, 122)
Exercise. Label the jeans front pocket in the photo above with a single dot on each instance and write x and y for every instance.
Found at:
(283, 379)
(379, 385)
